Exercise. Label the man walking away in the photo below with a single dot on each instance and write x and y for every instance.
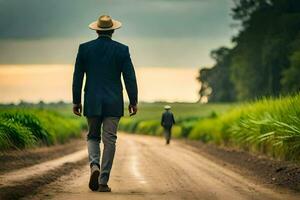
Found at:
(103, 61)
(167, 121)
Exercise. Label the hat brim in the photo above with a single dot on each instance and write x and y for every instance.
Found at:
(116, 25)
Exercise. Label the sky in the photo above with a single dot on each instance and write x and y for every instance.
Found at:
(160, 33)
(169, 41)
(52, 83)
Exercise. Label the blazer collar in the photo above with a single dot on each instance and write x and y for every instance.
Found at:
(104, 37)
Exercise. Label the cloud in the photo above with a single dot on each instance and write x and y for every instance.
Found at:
(144, 18)
(160, 32)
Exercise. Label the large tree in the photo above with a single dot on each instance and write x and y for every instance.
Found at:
(265, 58)
(216, 81)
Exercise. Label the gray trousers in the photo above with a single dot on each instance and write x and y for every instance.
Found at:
(109, 127)
(168, 133)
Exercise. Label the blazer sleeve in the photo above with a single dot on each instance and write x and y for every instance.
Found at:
(162, 119)
(129, 78)
(173, 119)
(78, 77)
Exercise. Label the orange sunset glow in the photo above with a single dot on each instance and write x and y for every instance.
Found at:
(53, 83)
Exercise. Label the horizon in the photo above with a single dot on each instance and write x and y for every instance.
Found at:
(34, 83)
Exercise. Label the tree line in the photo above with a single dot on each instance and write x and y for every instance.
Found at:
(265, 57)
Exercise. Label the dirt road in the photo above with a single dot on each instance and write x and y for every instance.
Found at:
(145, 168)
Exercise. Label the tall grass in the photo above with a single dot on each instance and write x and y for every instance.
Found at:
(22, 128)
(268, 126)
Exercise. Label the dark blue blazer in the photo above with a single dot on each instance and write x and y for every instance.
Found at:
(167, 119)
(103, 61)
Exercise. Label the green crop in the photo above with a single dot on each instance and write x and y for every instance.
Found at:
(22, 128)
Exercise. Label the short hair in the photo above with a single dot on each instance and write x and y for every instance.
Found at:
(109, 32)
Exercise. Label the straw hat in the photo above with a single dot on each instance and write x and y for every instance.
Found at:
(167, 107)
(105, 23)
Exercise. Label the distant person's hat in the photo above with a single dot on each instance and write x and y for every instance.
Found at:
(105, 23)
(167, 107)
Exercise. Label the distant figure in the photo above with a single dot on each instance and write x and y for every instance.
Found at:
(167, 121)
(103, 61)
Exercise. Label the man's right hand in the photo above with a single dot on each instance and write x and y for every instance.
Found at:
(77, 109)
(132, 109)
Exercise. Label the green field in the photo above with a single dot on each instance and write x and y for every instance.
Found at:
(181, 110)
(267, 126)
(147, 121)
(30, 126)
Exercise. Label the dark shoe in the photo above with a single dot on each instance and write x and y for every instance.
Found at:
(93, 184)
(104, 188)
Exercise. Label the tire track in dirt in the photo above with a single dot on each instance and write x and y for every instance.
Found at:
(31, 185)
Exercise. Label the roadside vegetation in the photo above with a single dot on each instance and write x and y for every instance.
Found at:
(147, 121)
(267, 126)
(23, 127)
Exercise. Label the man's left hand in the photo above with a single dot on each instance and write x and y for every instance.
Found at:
(77, 109)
